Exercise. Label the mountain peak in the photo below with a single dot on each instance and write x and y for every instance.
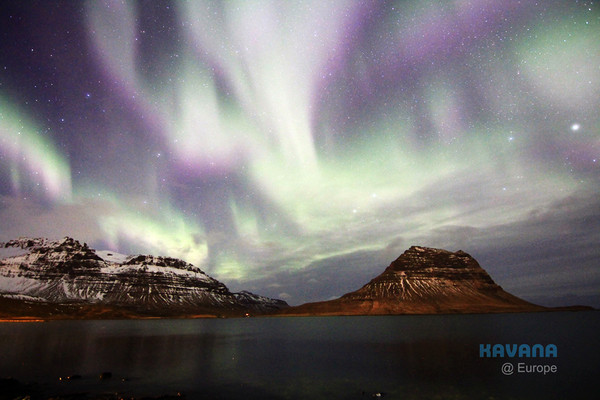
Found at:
(24, 242)
(65, 272)
(418, 257)
(424, 280)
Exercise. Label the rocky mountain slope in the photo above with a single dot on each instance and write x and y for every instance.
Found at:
(65, 276)
(423, 281)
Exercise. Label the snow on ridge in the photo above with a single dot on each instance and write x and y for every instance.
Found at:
(116, 269)
(25, 242)
(111, 256)
(23, 297)
(38, 269)
(19, 284)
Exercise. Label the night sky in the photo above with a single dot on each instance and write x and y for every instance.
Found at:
(295, 149)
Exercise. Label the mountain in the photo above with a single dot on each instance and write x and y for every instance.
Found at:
(423, 281)
(41, 277)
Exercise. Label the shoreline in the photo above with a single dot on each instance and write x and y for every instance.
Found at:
(32, 319)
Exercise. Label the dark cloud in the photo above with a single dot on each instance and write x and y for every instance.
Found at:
(553, 250)
(323, 279)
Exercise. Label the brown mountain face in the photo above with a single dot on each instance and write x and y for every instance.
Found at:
(424, 281)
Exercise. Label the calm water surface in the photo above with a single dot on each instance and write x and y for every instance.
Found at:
(404, 357)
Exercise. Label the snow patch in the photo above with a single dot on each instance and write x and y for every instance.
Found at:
(111, 256)
(23, 297)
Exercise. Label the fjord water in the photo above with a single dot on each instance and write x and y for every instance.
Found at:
(404, 357)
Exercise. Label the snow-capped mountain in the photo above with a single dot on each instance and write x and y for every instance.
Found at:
(424, 280)
(67, 272)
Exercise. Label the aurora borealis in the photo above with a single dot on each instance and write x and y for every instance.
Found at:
(295, 149)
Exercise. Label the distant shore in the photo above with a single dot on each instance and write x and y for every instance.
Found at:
(25, 319)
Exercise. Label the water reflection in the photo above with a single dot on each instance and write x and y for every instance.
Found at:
(299, 358)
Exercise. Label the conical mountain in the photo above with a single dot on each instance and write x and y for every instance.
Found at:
(424, 280)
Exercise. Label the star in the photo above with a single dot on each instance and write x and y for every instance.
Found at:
(427, 122)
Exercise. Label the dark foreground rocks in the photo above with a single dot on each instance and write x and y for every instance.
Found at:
(12, 389)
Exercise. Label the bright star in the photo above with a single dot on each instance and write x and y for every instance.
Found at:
(575, 127)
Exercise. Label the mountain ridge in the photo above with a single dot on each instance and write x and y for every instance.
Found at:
(45, 279)
(67, 275)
